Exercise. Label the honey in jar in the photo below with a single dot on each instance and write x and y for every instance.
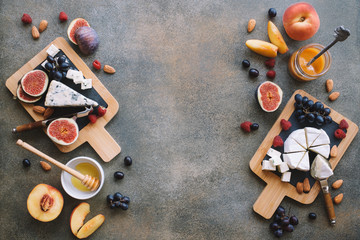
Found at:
(85, 169)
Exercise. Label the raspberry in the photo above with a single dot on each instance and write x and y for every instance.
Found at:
(96, 64)
(92, 118)
(343, 124)
(26, 18)
(278, 142)
(340, 134)
(270, 62)
(101, 111)
(271, 74)
(246, 126)
(63, 17)
(285, 125)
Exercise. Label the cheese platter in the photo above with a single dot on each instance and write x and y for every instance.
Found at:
(89, 91)
(276, 189)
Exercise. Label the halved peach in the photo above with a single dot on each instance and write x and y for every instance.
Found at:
(45, 203)
(91, 226)
(263, 48)
(276, 38)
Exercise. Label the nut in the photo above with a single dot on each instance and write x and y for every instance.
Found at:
(251, 25)
(35, 33)
(329, 85)
(334, 151)
(334, 96)
(39, 109)
(43, 25)
(48, 112)
(337, 184)
(109, 69)
(45, 166)
(338, 198)
(46, 202)
(300, 187)
(306, 185)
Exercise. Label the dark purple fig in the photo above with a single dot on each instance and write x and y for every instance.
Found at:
(87, 40)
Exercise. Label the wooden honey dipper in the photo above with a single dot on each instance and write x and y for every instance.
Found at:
(92, 183)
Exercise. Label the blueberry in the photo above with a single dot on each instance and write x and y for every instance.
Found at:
(304, 100)
(319, 120)
(298, 112)
(278, 233)
(327, 111)
(310, 117)
(246, 63)
(274, 226)
(272, 12)
(49, 66)
(254, 126)
(298, 99)
(64, 66)
(109, 198)
(118, 175)
(125, 199)
(298, 106)
(124, 206)
(127, 161)
(61, 59)
(117, 196)
(312, 216)
(50, 59)
(253, 72)
(294, 220)
(280, 211)
(301, 118)
(328, 119)
(58, 75)
(26, 162)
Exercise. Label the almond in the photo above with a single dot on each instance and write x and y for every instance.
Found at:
(39, 109)
(329, 85)
(300, 187)
(48, 112)
(45, 166)
(334, 96)
(306, 185)
(109, 69)
(338, 198)
(35, 33)
(251, 25)
(43, 25)
(337, 184)
(334, 151)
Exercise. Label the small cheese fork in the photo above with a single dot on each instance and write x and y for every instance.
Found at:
(90, 182)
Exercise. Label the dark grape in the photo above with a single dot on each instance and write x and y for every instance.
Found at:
(327, 111)
(298, 112)
(127, 161)
(124, 206)
(328, 119)
(254, 126)
(309, 104)
(253, 72)
(280, 211)
(50, 59)
(61, 59)
(310, 117)
(109, 198)
(58, 75)
(64, 66)
(285, 221)
(117, 196)
(49, 66)
(294, 220)
(278, 233)
(26, 162)
(304, 100)
(312, 216)
(246, 63)
(118, 175)
(113, 205)
(319, 120)
(272, 12)
(298, 106)
(277, 218)
(298, 99)
(288, 228)
(274, 226)
(301, 118)
(125, 199)
(117, 204)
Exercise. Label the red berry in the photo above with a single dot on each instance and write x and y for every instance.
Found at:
(343, 124)
(270, 62)
(278, 142)
(26, 18)
(92, 118)
(63, 17)
(271, 74)
(340, 134)
(285, 125)
(101, 111)
(246, 126)
(96, 64)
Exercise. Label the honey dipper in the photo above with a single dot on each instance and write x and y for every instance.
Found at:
(92, 183)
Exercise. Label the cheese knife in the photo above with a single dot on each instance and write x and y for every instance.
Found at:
(46, 122)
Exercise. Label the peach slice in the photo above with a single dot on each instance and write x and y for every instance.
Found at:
(78, 216)
(91, 226)
(263, 48)
(276, 38)
(45, 203)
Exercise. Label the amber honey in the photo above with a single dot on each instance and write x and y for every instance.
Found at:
(85, 169)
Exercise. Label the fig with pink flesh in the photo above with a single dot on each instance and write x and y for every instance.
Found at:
(63, 131)
(87, 39)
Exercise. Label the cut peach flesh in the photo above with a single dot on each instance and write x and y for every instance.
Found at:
(263, 48)
(276, 38)
(90, 226)
(78, 216)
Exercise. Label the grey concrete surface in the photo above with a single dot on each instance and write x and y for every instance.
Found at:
(182, 94)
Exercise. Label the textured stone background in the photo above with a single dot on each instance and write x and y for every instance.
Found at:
(182, 94)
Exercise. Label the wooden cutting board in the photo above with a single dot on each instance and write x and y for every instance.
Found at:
(95, 134)
(276, 190)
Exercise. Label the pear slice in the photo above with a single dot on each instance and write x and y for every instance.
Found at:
(263, 48)
(276, 38)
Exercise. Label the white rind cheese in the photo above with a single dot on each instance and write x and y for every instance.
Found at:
(273, 153)
(324, 150)
(52, 50)
(300, 137)
(321, 168)
(311, 135)
(60, 95)
(322, 139)
(304, 164)
(285, 177)
(293, 159)
(283, 167)
(291, 145)
(267, 165)
(275, 161)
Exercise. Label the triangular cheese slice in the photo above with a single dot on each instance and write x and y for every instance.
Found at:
(321, 168)
(322, 139)
(324, 150)
(300, 137)
(304, 164)
(311, 135)
(291, 145)
(60, 95)
(293, 159)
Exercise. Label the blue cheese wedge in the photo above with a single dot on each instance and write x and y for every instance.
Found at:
(321, 168)
(60, 95)
(285, 177)
(52, 50)
(267, 165)
(323, 150)
(86, 84)
(322, 139)
(273, 153)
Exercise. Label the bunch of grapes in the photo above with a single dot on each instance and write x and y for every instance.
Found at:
(283, 223)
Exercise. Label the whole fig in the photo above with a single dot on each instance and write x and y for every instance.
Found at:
(87, 40)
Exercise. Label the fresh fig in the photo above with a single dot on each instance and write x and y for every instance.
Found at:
(22, 96)
(74, 25)
(34, 83)
(269, 96)
(63, 131)
(87, 39)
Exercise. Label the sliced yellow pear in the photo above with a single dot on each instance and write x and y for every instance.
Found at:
(263, 48)
(78, 216)
(90, 226)
(276, 38)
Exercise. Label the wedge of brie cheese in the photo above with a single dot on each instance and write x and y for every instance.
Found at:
(300, 137)
(323, 150)
(311, 135)
(321, 168)
(322, 139)
(304, 164)
(293, 159)
(291, 145)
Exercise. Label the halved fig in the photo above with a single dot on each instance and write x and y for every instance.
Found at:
(63, 131)
(74, 25)
(22, 96)
(269, 96)
(35, 82)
